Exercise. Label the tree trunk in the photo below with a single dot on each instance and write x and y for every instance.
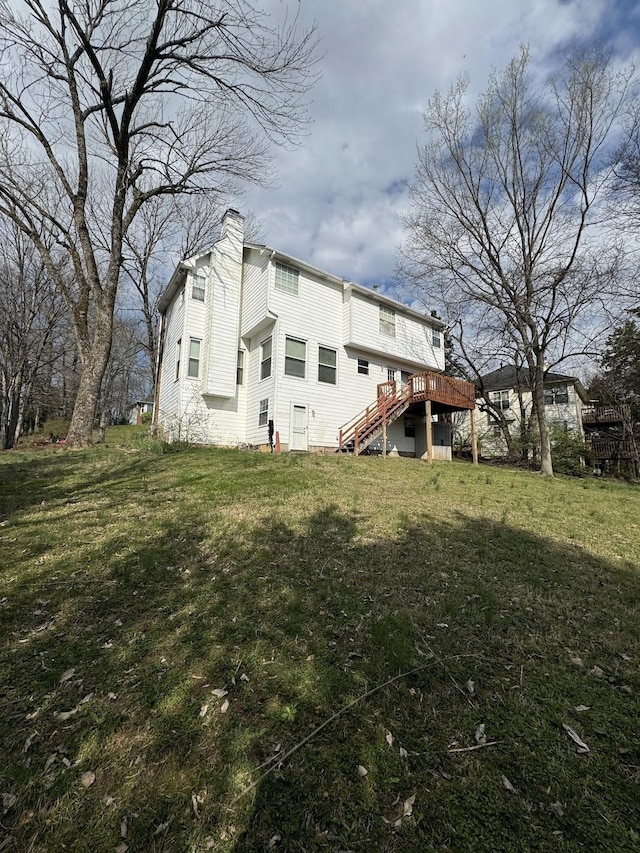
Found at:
(546, 465)
(94, 365)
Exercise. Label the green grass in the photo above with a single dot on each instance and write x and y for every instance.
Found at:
(134, 583)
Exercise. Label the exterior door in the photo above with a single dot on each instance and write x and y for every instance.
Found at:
(299, 428)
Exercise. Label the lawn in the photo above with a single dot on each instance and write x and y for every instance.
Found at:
(232, 651)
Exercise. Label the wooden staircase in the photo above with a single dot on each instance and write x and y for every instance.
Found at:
(453, 394)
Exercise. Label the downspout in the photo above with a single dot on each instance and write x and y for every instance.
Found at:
(275, 346)
(156, 392)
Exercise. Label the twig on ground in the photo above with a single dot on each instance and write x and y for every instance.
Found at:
(281, 759)
(475, 746)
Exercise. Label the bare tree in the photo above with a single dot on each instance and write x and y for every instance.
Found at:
(31, 313)
(107, 104)
(505, 229)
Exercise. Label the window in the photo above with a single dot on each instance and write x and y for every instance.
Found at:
(500, 399)
(327, 361)
(197, 289)
(286, 279)
(263, 412)
(240, 368)
(435, 338)
(193, 371)
(178, 348)
(387, 321)
(265, 359)
(391, 374)
(497, 431)
(556, 395)
(295, 357)
(363, 366)
(409, 428)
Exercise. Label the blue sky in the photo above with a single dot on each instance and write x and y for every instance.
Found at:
(339, 196)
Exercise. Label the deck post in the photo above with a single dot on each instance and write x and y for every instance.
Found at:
(384, 437)
(474, 437)
(429, 431)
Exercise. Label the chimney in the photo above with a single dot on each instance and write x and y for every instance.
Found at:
(232, 225)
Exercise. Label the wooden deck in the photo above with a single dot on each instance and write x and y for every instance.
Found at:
(449, 393)
(608, 449)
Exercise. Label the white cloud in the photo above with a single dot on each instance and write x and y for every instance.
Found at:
(339, 197)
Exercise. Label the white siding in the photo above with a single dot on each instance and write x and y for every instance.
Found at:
(255, 290)
(412, 341)
(169, 397)
(223, 333)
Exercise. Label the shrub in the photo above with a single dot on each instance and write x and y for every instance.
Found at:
(56, 428)
(569, 452)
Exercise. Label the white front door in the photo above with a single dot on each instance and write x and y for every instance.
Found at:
(299, 428)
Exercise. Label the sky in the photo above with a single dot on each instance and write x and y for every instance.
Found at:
(339, 197)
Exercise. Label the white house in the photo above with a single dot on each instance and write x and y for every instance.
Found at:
(253, 339)
(508, 389)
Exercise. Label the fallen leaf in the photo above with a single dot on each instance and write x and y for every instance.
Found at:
(113, 695)
(67, 674)
(389, 738)
(407, 806)
(362, 771)
(403, 752)
(8, 802)
(471, 687)
(118, 623)
(273, 841)
(87, 779)
(203, 710)
(29, 741)
(65, 715)
(480, 736)
(582, 747)
(122, 847)
(49, 761)
(507, 784)
(110, 801)
(219, 693)
(597, 672)
(557, 809)
(244, 677)
(162, 827)
(123, 828)
(583, 708)
(625, 656)
(224, 707)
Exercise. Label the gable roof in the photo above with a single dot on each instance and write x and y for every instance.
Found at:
(510, 376)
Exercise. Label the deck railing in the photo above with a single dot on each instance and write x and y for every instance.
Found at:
(607, 449)
(605, 414)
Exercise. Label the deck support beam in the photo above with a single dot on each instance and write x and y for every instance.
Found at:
(474, 437)
(428, 431)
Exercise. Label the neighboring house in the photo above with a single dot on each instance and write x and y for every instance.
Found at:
(142, 407)
(509, 390)
(256, 345)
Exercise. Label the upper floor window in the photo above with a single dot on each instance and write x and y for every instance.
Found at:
(178, 350)
(435, 338)
(295, 357)
(240, 368)
(286, 279)
(193, 371)
(556, 395)
(387, 321)
(363, 366)
(500, 399)
(327, 365)
(198, 287)
(265, 358)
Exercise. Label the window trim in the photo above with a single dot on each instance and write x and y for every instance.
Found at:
(326, 366)
(550, 391)
(240, 367)
(387, 324)
(263, 412)
(436, 338)
(178, 355)
(295, 359)
(194, 359)
(269, 358)
(195, 285)
(363, 366)
(289, 275)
